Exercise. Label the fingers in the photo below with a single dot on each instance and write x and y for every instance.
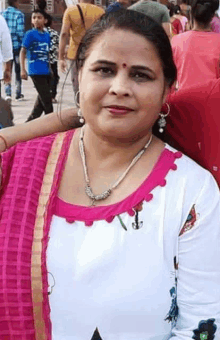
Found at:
(63, 65)
(24, 76)
(7, 77)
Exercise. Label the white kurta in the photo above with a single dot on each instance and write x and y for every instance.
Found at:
(119, 281)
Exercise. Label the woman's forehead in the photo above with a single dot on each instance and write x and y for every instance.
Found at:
(123, 38)
(123, 45)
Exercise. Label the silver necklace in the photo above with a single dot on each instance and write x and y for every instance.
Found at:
(107, 192)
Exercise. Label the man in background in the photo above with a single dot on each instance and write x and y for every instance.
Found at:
(156, 11)
(76, 20)
(16, 25)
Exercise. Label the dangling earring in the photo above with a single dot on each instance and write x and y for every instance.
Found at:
(162, 121)
(79, 113)
(81, 118)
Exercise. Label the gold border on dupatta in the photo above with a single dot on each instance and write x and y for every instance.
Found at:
(36, 272)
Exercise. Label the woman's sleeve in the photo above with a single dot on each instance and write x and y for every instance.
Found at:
(198, 274)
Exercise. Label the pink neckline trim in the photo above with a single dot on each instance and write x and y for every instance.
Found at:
(71, 212)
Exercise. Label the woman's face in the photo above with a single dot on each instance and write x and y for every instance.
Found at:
(122, 85)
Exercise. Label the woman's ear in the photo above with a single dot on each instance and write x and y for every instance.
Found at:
(165, 93)
(79, 76)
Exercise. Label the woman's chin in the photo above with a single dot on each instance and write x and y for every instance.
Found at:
(118, 129)
(122, 132)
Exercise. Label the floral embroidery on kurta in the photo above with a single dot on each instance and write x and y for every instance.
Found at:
(172, 315)
(206, 330)
(190, 221)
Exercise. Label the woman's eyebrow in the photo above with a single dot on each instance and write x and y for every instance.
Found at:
(106, 62)
(142, 68)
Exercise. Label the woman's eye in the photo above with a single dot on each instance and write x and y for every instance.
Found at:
(141, 76)
(104, 71)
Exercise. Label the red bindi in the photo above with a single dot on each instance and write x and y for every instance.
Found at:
(124, 65)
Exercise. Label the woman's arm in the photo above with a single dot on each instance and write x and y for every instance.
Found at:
(46, 125)
(198, 273)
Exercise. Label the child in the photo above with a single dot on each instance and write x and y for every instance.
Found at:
(54, 47)
(36, 45)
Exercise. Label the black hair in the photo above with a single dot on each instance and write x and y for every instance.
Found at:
(204, 10)
(37, 10)
(170, 7)
(41, 4)
(135, 22)
(12, 2)
(176, 9)
(49, 19)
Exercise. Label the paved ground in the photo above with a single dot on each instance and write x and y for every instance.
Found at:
(22, 109)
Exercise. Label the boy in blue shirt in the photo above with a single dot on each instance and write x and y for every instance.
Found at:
(36, 46)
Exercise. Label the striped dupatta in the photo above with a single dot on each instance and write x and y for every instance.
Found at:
(31, 173)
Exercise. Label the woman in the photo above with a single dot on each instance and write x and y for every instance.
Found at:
(196, 53)
(182, 18)
(177, 25)
(142, 262)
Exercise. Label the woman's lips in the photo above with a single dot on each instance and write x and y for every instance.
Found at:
(119, 110)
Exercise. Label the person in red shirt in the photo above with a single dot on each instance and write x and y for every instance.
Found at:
(196, 53)
(193, 124)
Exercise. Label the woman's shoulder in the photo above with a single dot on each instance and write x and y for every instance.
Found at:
(33, 146)
(184, 159)
(46, 140)
(34, 153)
(29, 148)
(190, 184)
(192, 173)
(183, 37)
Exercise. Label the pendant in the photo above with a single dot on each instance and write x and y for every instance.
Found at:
(99, 197)
(137, 224)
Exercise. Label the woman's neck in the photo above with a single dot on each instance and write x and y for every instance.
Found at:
(201, 28)
(118, 151)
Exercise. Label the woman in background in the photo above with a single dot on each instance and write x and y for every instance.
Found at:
(196, 53)
(175, 21)
(182, 18)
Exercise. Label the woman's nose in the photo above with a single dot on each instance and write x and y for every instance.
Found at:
(120, 86)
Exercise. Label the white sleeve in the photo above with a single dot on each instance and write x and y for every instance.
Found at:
(198, 274)
(5, 40)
